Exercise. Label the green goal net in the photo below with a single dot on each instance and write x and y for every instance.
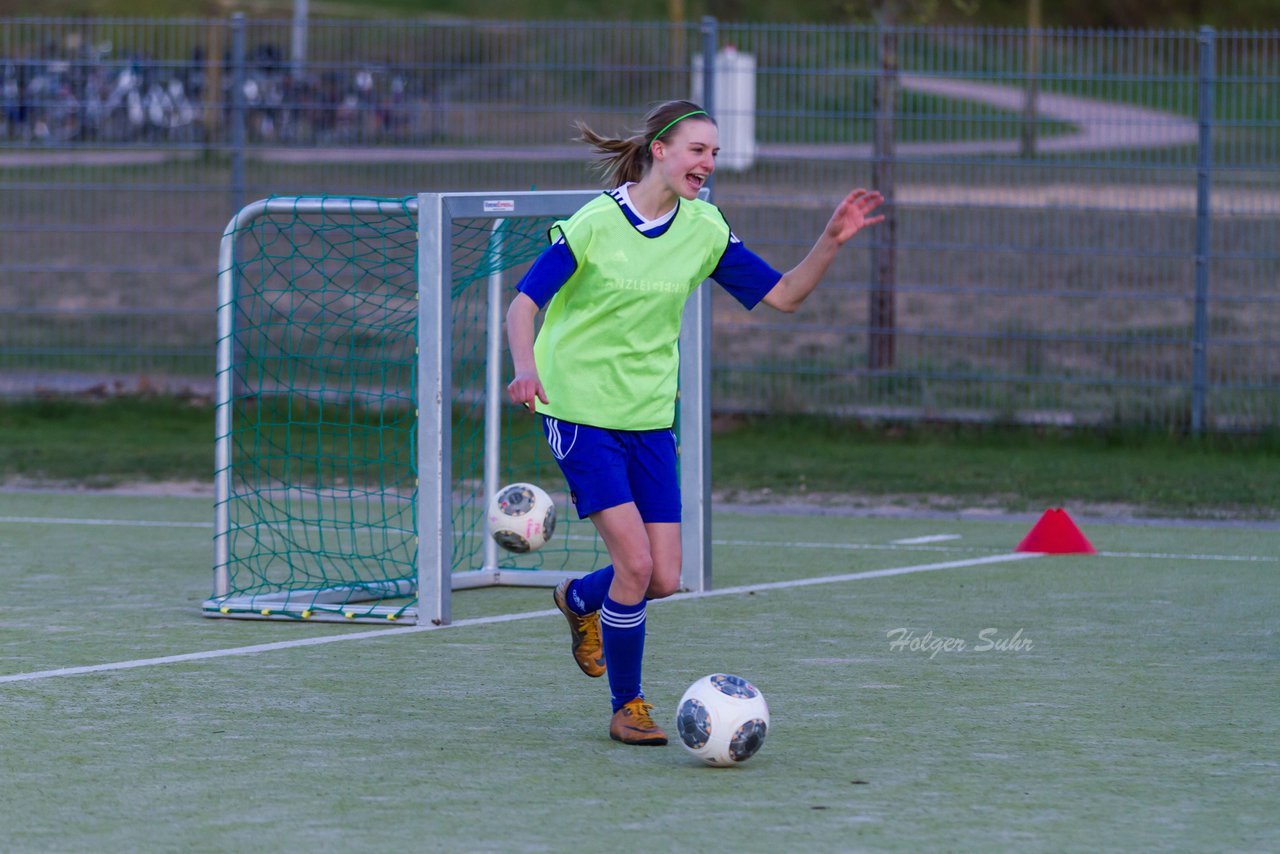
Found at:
(325, 349)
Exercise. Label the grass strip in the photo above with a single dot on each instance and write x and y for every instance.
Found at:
(104, 443)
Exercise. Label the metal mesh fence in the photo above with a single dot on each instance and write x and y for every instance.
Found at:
(1084, 223)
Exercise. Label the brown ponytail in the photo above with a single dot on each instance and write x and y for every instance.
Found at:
(628, 159)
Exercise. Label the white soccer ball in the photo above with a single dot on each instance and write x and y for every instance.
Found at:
(522, 517)
(722, 719)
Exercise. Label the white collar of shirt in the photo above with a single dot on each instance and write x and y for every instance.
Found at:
(623, 195)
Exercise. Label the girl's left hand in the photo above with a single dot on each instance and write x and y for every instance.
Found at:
(853, 214)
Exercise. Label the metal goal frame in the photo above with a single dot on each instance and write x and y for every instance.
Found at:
(435, 579)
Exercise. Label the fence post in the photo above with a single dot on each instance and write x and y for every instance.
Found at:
(881, 318)
(695, 392)
(675, 18)
(298, 41)
(1030, 102)
(1204, 163)
(237, 111)
(710, 39)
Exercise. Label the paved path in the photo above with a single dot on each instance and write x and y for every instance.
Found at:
(1099, 125)
(77, 157)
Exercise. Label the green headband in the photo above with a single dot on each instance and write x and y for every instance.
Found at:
(673, 123)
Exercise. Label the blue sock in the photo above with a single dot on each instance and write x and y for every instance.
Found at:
(622, 631)
(586, 594)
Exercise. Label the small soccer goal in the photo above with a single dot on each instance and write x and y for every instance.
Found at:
(361, 413)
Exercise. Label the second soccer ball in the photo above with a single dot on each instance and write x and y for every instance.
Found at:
(522, 517)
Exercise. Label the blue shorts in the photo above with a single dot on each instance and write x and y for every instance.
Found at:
(606, 468)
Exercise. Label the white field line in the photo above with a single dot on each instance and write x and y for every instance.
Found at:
(917, 544)
(896, 546)
(585, 538)
(121, 523)
(1172, 556)
(860, 576)
(503, 618)
(931, 538)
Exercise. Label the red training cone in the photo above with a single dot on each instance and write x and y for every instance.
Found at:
(1055, 534)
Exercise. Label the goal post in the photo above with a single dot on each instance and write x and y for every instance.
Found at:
(361, 419)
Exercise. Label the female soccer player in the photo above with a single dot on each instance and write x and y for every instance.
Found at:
(602, 370)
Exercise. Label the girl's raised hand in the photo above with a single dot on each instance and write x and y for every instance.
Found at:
(854, 214)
